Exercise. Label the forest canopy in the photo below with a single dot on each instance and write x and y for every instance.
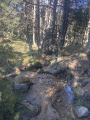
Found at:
(47, 24)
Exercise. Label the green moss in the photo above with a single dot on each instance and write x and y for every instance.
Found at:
(22, 79)
(16, 117)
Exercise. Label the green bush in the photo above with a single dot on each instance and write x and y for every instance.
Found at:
(36, 65)
(8, 103)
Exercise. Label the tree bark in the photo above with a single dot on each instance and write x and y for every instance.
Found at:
(46, 27)
(53, 24)
(27, 36)
(88, 28)
(63, 29)
(41, 23)
(38, 19)
(34, 20)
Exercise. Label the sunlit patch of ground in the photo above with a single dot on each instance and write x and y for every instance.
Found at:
(21, 54)
(20, 46)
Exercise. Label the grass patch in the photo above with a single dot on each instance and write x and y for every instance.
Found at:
(20, 46)
(20, 55)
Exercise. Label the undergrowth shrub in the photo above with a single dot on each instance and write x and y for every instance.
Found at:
(8, 102)
(36, 65)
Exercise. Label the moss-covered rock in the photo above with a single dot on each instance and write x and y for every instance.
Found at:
(22, 83)
(29, 110)
(21, 78)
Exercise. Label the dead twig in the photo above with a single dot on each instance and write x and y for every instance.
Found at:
(6, 62)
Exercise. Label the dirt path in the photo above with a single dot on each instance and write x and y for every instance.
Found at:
(48, 92)
(41, 93)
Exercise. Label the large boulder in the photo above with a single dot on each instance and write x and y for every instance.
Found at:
(81, 111)
(52, 114)
(60, 70)
(85, 82)
(21, 87)
(85, 89)
(56, 68)
(62, 104)
(87, 99)
(22, 83)
(29, 110)
(86, 94)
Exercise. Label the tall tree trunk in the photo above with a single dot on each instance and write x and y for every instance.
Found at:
(34, 21)
(27, 36)
(88, 29)
(53, 22)
(46, 27)
(63, 29)
(41, 23)
(38, 19)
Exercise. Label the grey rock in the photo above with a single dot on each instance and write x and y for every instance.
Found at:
(84, 83)
(85, 89)
(29, 109)
(22, 78)
(52, 114)
(21, 87)
(87, 97)
(81, 111)
(56, 68)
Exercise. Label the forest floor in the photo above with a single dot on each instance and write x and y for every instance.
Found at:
(48, 90)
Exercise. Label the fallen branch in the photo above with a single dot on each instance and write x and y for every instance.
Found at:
(11, 75)
(6, 62)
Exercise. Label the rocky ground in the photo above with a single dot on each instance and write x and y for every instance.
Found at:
(57, 92)
(48, 94)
